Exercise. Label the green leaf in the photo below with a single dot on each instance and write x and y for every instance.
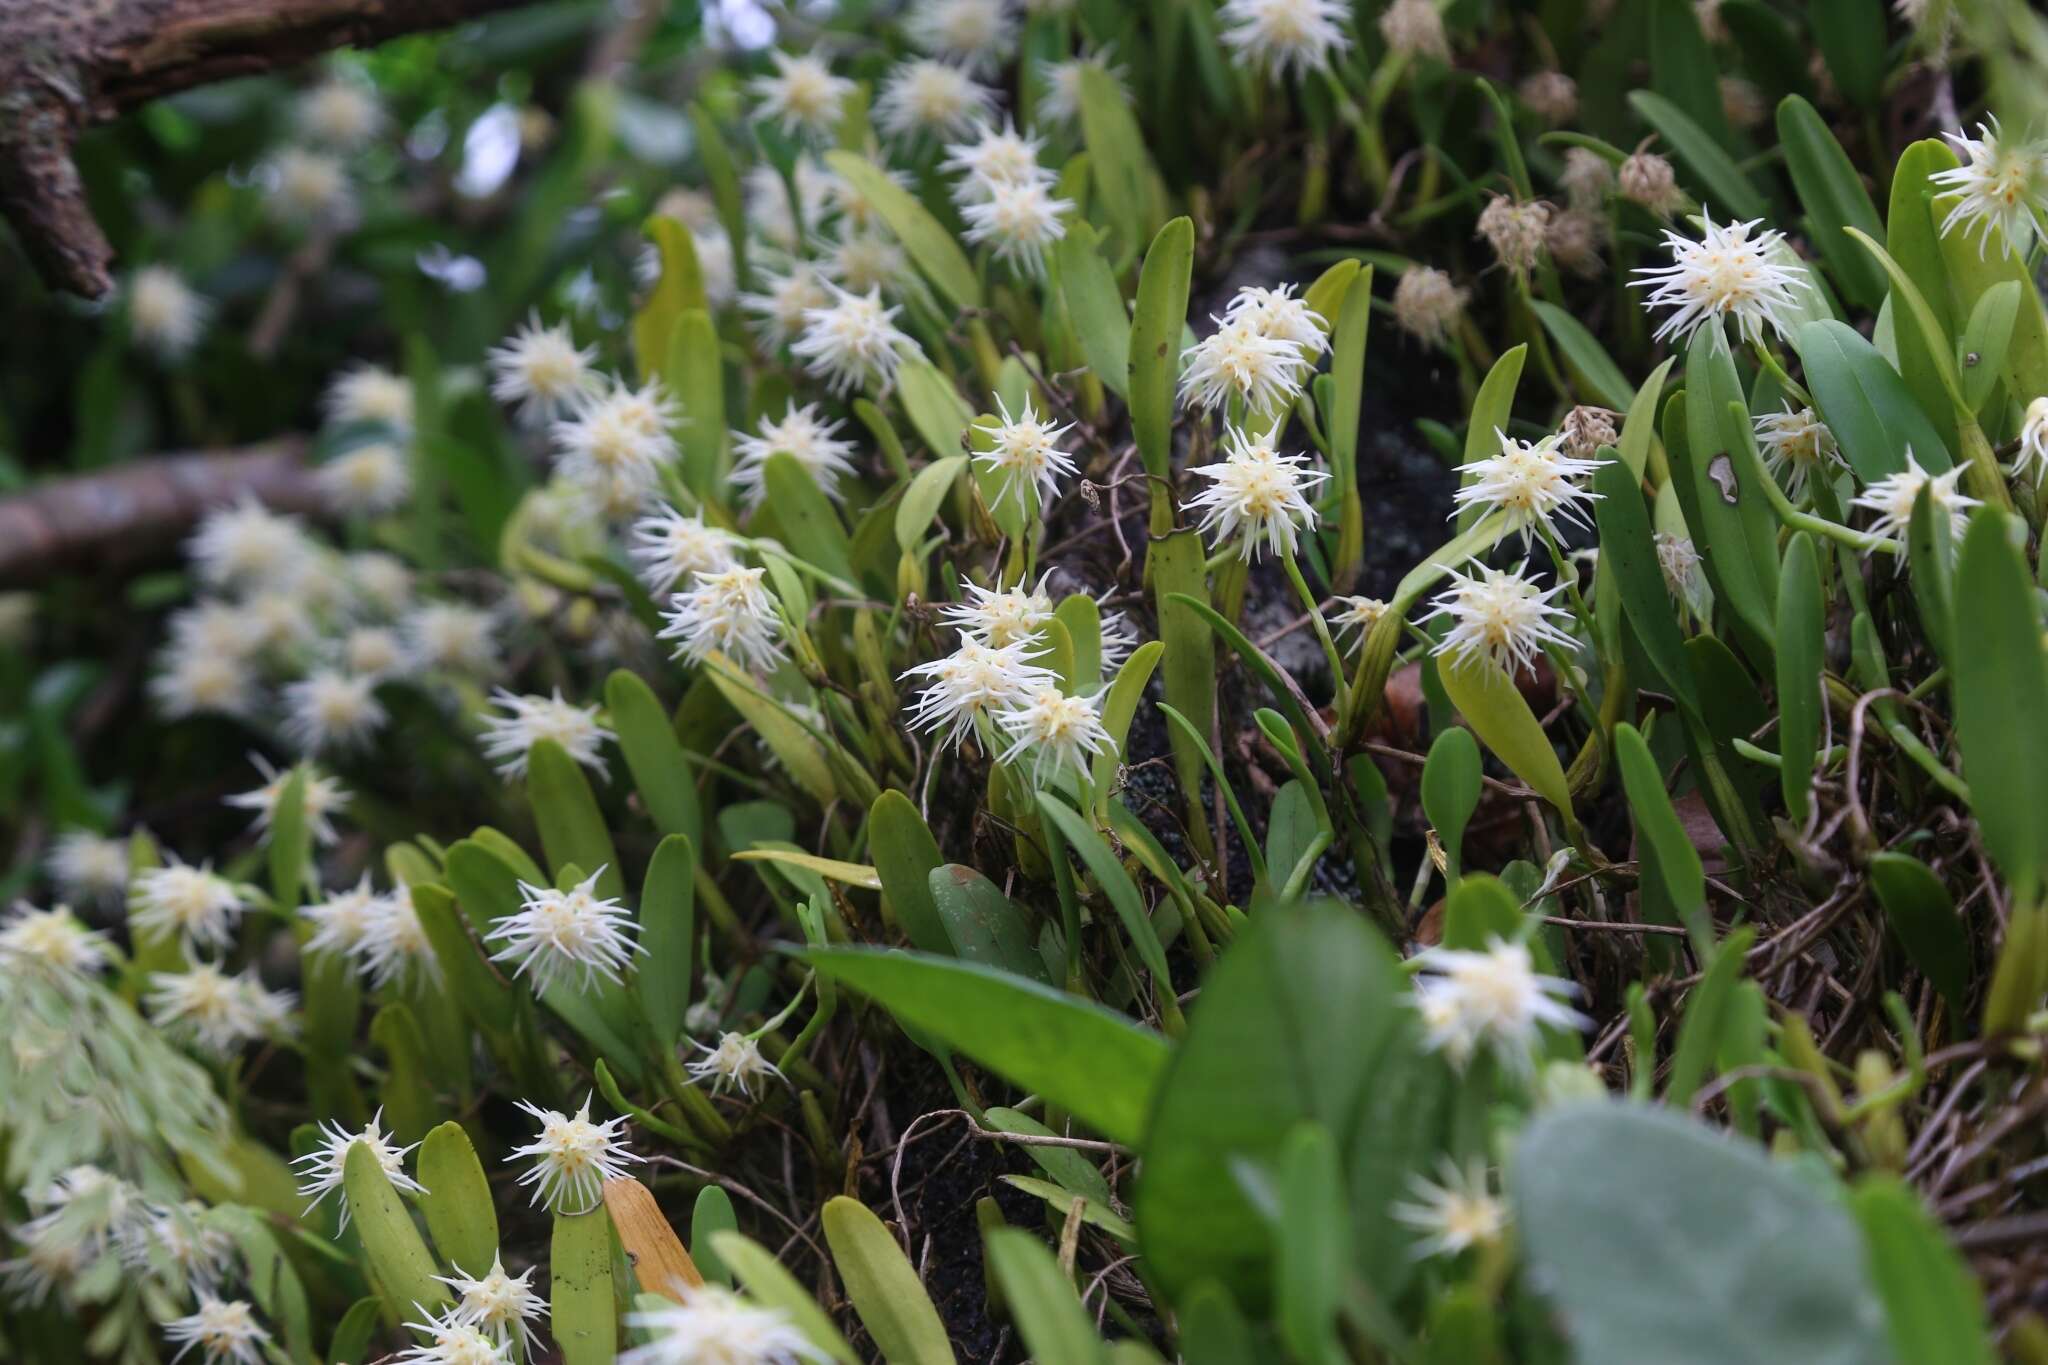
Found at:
(1701, 1032)
(1669, 859)
(930, 246)
(1732, 522)
(1932, 1303)
(1061, 1201)
(1834, 197)
(1189, 663)
(1923, 915)
(350, 1344)
(1971, 272)
(773, 1287)
(1119, 707)
(408, 1094)
(710, 1216)
(1728, 190)
(403, 1270)
(1096, 307)
(1260, 1057)
(1213, 1330)
(1491, 408)
(1931, 554)
(1599, 378)
(271, 1279)
(1116, 884)
(922, 500)
(679, 288)
(1347, 376)
(983, 925)
(572, 829)
(1042, 1301)
(1498, 712)
(1849, 34)
(1090, 1061)
(1802, 625)
(1874, 416)
(1261, 664)
(1629, 549)
(716, 158)
(1450, 793)
(1155, 344)
(694, 375)
(1315, 1244)
(668, 931)
(1639, 428)
(885, 1291)
(1482, 909)
(1125, 182)
(905, 857)
(1985, 340)
(810, 526)
(647, 739)
(2001, 701)
(936, 411)
(457, 1203)
(1067, 1166)
(802, 756)
(290, 842)
(1682, 67)
(1907, 298)
(481, 992)
(582, 1316)
(1766, 1267)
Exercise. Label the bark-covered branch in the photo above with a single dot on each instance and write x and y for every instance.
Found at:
(101, 521)
(68, 64)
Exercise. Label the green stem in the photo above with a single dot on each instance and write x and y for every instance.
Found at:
(1315, 616)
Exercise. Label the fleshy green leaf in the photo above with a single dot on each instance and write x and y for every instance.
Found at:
(1450, 793)
(770, 1285)
(1155, 344)
(1802, 610)
(1042, 1301)
(572, 829)
(905, 857)
(929, 245)
(1834, 198)
(668, 925)
(1499, 714)
(1921, 912)
(2001, 702)
(457, 1203)
(582, 1316)
(1932, 1302)
(885, 1291)
(647, 739)
(1727, 189)
(404, 1269)
(1096, 307)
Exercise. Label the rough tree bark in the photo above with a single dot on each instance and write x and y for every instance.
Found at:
(68, 64)
(124, 516)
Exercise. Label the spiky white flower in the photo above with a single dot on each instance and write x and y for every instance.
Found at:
(802, 96)
(341, 114)
(1119, 639)
(393, 944)
(1020, 219)
(976, 35)
(555, 935)
(930, 99)
(369, 393)
(803, 435)
(612, 448)
(1727, 273)
(89, 868)
(1001, 616)
(862, 260)
(1057, 729)
(328, 710)
(975, 680)
(509, 738)
(216, 626)
(201, 1252)
(205, 1004)
(165, 314)
(1533, 482)
(1500, 615)
(1427, 304)
(573, 1157)
(308, 189)
(2000, 186)
(1282, 315)
(1256, 494)
(52, 937)
(1285, 36)
(280, 620)
(542, 370)
(196, 903)
(380, 582)
(853, 341)
(670, 548)
(714, 1326)
(836, 196)
(1892, 498)
(1358, 613)
(448, 635)
(499, 1305)
(1455, 1211)
(323, 1168)
(369, 480)
(342, 919)
(1494, 997)
(372, 652)
(1238, 360)
(735, 1062)
(191, 683)
(45, 1267)
(1060, 84)
(993, 156)
(1025, 451)
(2033, 451)
(1415, 28)
(245, 545)
(1684, 573)
(778, 307)
(222, 1329)
(451, 1340)
(1795, 444)
(729, 612)
(322, 796)
(269, 1012)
